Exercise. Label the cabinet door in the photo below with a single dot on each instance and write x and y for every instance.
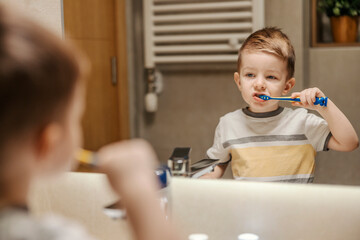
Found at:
(97, 27)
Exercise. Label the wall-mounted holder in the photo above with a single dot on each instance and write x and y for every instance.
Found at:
(155, 86)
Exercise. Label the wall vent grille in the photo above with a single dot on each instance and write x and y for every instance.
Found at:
(193, 31)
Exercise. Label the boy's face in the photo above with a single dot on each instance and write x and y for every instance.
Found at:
(262, 73)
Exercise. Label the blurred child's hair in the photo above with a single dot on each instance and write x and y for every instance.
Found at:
(38, 75)
(271, 40)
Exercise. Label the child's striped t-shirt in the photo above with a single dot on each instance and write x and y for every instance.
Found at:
(278, 146)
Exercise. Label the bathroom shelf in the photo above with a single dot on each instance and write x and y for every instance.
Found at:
(321, 30)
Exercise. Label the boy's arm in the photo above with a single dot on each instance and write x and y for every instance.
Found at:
(218, 172)
(129, 166)
(344, 137)
(217, 151)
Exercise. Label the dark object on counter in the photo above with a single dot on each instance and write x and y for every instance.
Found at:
(179, 162)
(202, 167)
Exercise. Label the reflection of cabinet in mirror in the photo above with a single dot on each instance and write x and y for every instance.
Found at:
(98, 28)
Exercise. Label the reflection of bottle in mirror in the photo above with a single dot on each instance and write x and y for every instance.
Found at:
(198, 236)
(164, 176)
(248, 236)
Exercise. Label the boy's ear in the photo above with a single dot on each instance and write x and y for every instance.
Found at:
(237, 80)
(47, 139)
(288, 86)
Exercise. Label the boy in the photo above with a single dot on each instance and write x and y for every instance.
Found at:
(41, 104)
(266, 142)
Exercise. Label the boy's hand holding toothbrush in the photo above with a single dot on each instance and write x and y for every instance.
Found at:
(344, 137)
(127, 163)
(308, 98)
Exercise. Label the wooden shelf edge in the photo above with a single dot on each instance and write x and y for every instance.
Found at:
(333, 44)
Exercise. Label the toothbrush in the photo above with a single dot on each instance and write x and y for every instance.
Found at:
(319, 101)
(86, 157)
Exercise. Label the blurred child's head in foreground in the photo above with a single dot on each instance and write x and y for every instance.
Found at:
(41, 99)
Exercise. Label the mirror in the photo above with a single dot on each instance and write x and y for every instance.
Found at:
(195, 96)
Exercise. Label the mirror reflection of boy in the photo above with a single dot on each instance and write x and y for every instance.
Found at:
(42, 90)
(264, 141)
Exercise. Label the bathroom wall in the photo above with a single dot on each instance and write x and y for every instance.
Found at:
(46, 12)
(336, 72)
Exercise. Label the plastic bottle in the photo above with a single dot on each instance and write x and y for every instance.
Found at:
(164, 176)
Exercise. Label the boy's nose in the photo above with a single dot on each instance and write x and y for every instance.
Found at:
(259, 84)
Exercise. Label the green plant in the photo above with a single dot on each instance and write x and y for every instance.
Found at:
(339, 7)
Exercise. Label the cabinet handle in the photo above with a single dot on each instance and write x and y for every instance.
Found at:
(113, 71)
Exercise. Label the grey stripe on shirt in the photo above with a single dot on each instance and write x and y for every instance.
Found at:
(265, 138)
(299, 178)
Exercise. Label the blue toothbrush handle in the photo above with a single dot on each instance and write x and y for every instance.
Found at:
(322, 101)
(287, 99)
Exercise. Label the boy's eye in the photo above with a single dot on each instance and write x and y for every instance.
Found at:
(250, 75)
(271, 77)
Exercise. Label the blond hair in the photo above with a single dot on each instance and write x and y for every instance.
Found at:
(271, 40)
